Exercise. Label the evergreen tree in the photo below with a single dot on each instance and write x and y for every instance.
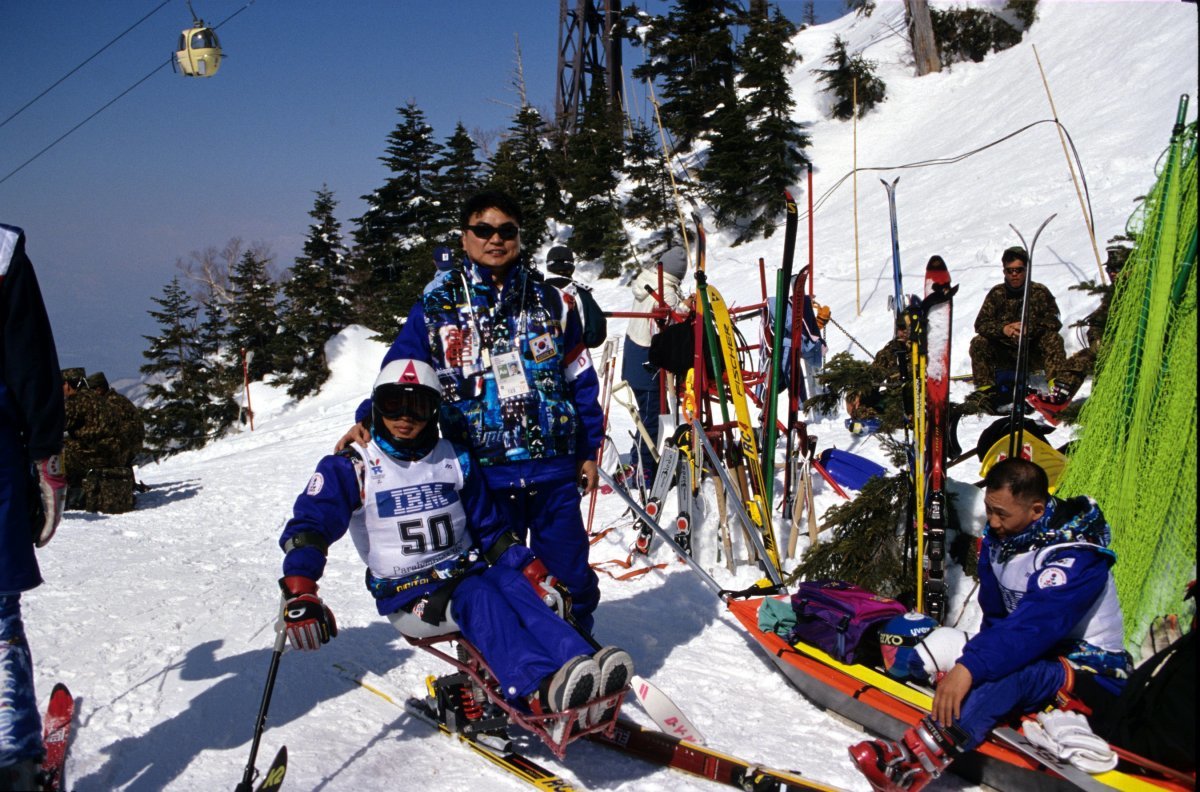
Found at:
(397, 233)
(650, 203)
(252, 319)
(316, 301)
(773, 152)
(594, 156)
(522, 167)
(218, 370)
(174, 407)
(840, 79)
(690, 52)
(459, 174)
(726, 177)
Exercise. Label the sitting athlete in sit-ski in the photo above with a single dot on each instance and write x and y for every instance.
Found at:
(438, 558)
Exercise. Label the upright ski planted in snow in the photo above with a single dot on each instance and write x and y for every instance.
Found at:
(1016, 417)
(938, 308)
(897, 278)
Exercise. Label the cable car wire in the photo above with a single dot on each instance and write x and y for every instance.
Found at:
(85, 63)
(112, 101)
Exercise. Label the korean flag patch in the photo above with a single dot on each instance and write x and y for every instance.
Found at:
(315, 484)
(1051, 577)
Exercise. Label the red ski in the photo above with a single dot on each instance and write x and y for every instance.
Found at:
(57, 735)
(938, 308)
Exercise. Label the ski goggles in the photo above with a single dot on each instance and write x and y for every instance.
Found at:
(395, 402)
(485, 231)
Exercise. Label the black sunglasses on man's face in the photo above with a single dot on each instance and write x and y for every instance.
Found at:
(485, 231)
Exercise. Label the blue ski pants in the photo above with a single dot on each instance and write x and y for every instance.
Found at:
(521, 638)
(1025, 690)
(20, 721)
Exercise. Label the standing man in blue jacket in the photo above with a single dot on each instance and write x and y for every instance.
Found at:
(519, 388)
(31, 493)
(1051, 631)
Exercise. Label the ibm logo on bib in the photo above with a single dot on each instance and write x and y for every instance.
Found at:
(411, 500)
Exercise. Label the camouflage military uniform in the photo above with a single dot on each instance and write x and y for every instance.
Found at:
(1085, 359)
(889, 369)
(95, 458)
(992, 351)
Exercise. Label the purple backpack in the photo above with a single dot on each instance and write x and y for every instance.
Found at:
(834, 616)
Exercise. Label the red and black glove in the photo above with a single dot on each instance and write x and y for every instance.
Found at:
(309, 623)
(552, 591)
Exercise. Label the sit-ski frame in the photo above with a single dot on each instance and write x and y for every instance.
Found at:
(482, 677)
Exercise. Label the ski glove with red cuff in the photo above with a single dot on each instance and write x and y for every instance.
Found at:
(52, 487)
(551, 590)
(307, 621)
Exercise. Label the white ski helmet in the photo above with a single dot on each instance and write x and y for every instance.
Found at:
(940, 650)
(407, 387)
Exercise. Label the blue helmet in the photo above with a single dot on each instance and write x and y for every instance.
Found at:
(898, 643)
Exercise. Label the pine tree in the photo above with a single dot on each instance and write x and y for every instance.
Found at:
(253, 322)
(316, 301)
(174, 412)
(218, 370)
(841, 78)
(397, 233)
(650, 203)
(522, 167)
(726, 178)
(772, 152)
(459, 174)
(593, 154)
(690, 52)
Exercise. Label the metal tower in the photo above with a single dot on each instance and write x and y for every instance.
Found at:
(589, 49)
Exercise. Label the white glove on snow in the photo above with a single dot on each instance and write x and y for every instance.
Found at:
(1068, 736)
(52, 486)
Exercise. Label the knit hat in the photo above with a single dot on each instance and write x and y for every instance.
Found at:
(674, 262)
(560, 261)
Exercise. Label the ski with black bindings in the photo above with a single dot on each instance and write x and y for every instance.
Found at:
(273, 780)
(56, 734)
(678, 754)
(758, 510)
(897, 275)
(938, 308)
(664, 477)
(497, 751)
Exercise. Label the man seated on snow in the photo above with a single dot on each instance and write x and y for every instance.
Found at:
(1051, 629)
(425, 524)
(998, 332)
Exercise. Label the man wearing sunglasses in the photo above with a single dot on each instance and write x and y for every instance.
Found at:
(519, 388)
(998, 331)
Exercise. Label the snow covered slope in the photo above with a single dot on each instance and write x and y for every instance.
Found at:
(160, 620)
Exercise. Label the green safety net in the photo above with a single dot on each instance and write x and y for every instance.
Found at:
(1136, 450)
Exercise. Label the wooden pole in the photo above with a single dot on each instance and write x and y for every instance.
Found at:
(811, 266)
(1087, 220)
(857, 287)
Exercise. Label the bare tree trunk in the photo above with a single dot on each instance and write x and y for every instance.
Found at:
(924, 48)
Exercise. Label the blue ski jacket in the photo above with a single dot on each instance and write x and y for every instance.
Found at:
(464, 328)
(31, 406)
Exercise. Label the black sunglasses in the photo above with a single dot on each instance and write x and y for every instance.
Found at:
(1013, 270)
(485, 231)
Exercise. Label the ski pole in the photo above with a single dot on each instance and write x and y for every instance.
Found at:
(276, 654)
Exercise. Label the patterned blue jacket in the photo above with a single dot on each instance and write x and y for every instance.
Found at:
(468, 330)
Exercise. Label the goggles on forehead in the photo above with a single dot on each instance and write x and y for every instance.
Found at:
(395, 402)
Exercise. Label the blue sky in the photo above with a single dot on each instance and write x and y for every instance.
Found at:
(305, 97)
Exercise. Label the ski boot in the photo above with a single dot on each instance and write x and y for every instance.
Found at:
(616, 672)
(910, 763)
(864, 426)
(567, 689)
(1051, 404)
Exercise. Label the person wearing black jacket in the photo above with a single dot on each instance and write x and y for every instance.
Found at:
(31, 492)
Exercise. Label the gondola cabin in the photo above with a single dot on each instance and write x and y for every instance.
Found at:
(199, 53)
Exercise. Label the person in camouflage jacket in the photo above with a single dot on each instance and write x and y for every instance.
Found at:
(998, 330)
(97, 446)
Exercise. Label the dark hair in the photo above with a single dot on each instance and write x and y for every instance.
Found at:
(1014, 254)
(936, 260)
(490, 199)
(1022, 478)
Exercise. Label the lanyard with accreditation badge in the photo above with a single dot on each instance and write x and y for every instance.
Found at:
(508, 369)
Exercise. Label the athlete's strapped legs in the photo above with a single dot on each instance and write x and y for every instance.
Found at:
(1025, 690)
(520, 637)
